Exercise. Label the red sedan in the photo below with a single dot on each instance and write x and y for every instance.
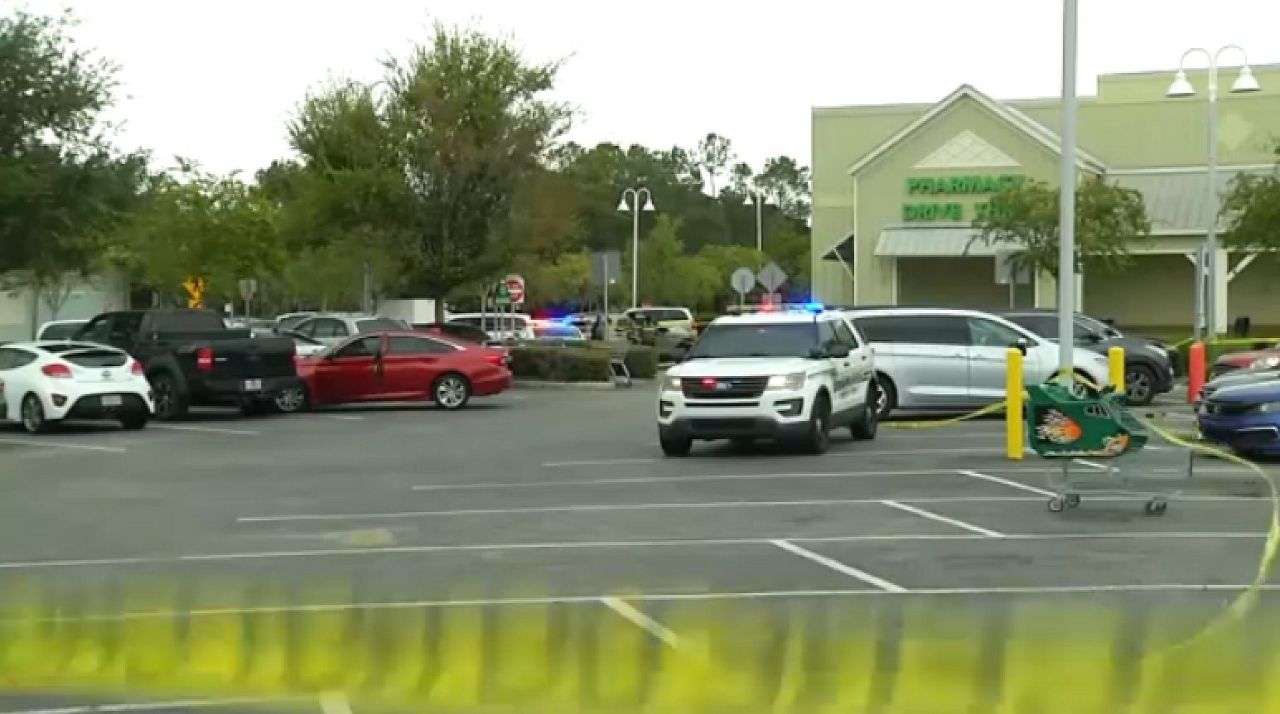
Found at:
(398, 366)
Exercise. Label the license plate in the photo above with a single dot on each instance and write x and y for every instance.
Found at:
(112, 400)
(253, 385)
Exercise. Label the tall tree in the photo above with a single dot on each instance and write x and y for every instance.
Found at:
(1252, 211)
(1109, 220)
(61, 184)
(713, 156)
(786, 182)
(469, 123)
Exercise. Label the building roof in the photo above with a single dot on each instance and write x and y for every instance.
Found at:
(1018, 120)
(936, 242)
(1177, 200)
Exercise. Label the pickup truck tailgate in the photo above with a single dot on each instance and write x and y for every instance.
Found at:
(246, 358)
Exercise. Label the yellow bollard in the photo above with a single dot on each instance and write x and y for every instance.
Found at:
(1115, 360)
(1014, 425)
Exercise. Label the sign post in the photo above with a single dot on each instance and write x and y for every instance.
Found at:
(742, 281)
(248, 287)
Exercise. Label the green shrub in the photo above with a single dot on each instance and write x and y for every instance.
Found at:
(560, 364)
(641, 361)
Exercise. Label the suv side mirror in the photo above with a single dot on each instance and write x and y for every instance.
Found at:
(838, 350)
(1021, 345)
(817, 352)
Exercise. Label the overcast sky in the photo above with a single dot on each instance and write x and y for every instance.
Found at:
(216, 81)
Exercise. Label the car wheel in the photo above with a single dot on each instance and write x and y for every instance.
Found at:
(451, 391)
(171, 403)
(33, 418)
(1139, 385)
(290, 400)
(886, 397)
(134, 419)
(818, 436)
(675, 446)
(864, 427)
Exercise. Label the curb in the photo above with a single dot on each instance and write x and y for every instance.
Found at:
(543, 384)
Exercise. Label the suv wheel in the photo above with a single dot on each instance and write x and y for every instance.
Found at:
(864, 427)
(675, 446)
(818, 437)
(1139, 385)
(886, 398)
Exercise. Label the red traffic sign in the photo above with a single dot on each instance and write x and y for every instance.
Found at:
(515, 287)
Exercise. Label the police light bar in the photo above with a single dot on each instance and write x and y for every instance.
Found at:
(814, 307)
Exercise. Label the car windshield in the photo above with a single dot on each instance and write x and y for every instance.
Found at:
(60, 331)
(789, 339)
(1095, 325)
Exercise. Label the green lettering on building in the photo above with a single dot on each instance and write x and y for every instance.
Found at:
(962, 185)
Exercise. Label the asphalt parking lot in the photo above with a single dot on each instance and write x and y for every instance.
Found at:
(564, 496)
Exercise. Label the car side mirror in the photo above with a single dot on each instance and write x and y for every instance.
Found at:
(1021, 345)
(816, 352)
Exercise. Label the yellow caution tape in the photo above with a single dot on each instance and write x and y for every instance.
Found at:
(936, 423)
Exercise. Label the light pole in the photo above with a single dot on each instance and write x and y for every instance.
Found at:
(1207, 299)
(1067, 198)
(759, 200)
(635, 207)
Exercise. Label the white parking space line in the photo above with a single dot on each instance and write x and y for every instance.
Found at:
(633, 480)
(55, 443)
(943, 519)
(205, 429)
(1092, 464)
(1007, 482)
(839, 567)
(341, 417)
(629, 613)
(152, 706)
(864, 453)
(600, 462)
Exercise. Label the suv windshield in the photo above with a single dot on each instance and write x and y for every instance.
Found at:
(789, 339)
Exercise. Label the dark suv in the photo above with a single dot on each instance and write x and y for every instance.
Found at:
(1148, 363)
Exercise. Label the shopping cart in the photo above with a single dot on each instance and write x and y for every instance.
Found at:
(1066, 427)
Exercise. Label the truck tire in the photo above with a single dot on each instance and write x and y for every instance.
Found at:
(864, 426)
(818, 437)
(171, 400)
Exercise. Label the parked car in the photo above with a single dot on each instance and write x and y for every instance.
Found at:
(44, 382)
(466, 333)
(58, 329)
(940, 358)
(501, 327)
(333, 328)
(398, 366)
(290, 320)
(1245, 418)
(556, 331)
(192, 359)
(1148, 368)
(677, 321)
(1248, 359)
(1238, 378)
(304, 346)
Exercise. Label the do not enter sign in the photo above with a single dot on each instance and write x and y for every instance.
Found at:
(515, 287)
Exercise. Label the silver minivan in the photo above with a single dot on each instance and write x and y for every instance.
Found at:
(940, 358)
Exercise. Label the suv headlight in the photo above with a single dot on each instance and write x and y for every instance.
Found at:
(791, 381)
(671, 384)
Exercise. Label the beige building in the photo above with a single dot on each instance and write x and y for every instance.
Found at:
(896, 187)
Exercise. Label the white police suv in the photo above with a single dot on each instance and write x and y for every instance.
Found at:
(790, 373)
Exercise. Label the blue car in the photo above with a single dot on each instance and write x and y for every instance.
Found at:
(1245, 417)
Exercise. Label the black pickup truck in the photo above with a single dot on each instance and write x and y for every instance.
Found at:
(193, 359)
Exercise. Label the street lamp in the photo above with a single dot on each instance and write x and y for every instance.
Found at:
(634, 207)
(1207, 300)
(759, 200)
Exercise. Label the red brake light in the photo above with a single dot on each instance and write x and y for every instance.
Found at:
(56, 370)
(495, 358)
(136, 368)
(204, 359)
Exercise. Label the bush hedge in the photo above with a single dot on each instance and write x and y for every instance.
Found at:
(560, 364)
(641, 361)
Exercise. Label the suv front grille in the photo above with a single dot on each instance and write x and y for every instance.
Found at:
(724, 387)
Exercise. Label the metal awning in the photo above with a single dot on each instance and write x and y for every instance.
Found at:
(841, 252)
(935, 242)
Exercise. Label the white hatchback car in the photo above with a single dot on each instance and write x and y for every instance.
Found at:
(42, 383)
